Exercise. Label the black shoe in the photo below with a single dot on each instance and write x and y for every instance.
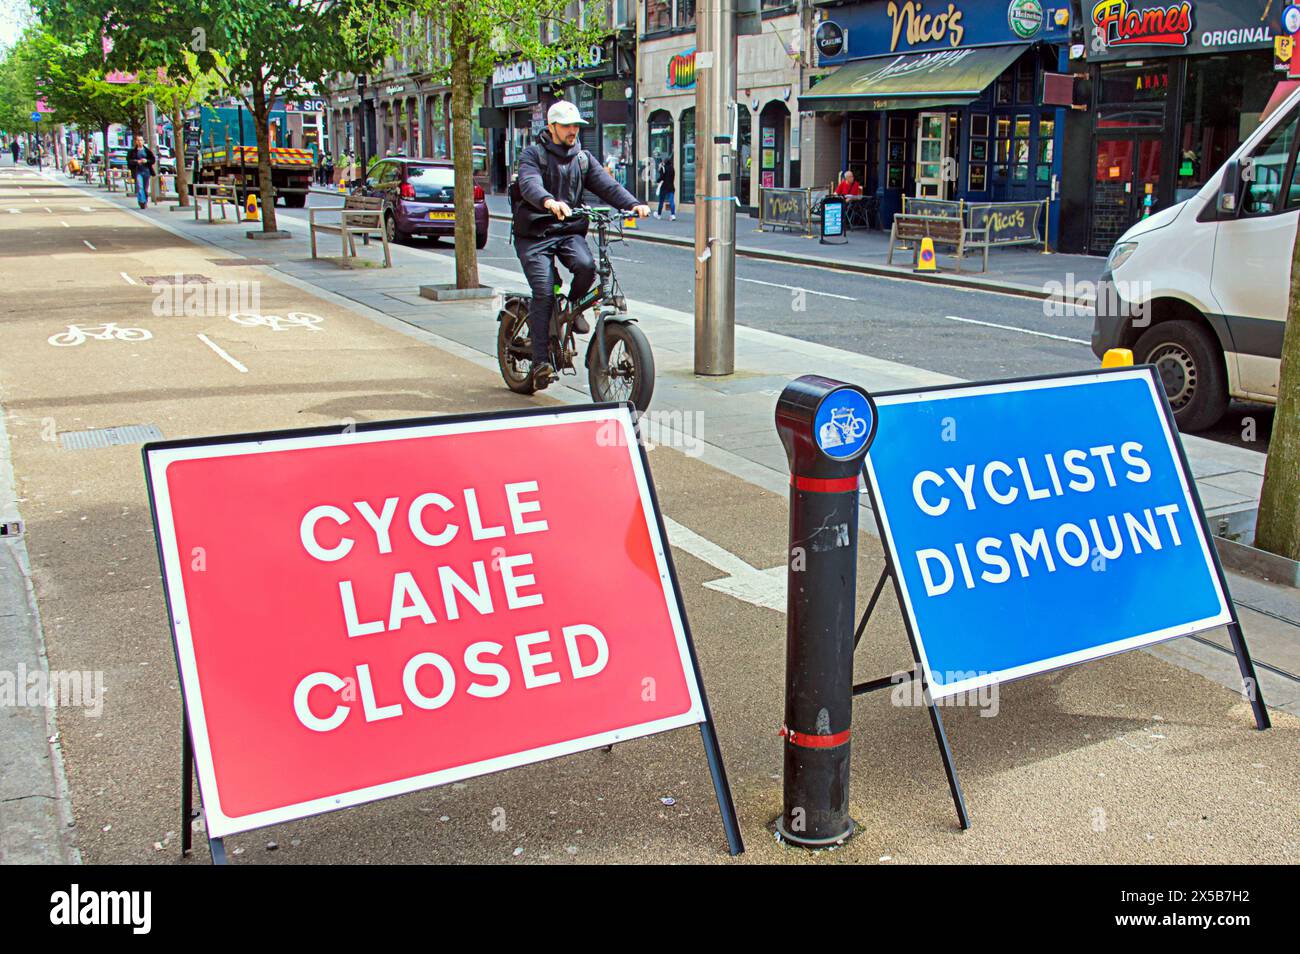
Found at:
(543, 374)
(580, 325)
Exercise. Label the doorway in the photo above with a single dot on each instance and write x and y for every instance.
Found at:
(932, 156)
(1126, 184)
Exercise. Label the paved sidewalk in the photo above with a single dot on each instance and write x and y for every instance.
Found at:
(1023, 270)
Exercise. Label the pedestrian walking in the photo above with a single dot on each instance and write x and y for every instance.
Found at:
(328, 170)
(140, 161)
(13, 150)
(667, 180)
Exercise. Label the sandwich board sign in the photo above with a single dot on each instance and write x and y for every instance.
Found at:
(363, 612)
(1037, 523)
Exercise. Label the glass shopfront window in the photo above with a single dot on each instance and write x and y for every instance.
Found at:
(658, 15)
(1222, 100)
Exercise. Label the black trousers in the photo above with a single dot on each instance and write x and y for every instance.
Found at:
(538, 255)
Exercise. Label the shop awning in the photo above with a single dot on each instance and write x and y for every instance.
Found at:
(912, 80)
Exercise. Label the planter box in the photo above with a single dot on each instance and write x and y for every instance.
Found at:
(452, 293)
(1233, 535)
(258, 234)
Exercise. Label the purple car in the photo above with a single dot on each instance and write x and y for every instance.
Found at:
(419, 198)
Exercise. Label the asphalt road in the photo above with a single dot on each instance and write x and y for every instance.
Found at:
(969, 334)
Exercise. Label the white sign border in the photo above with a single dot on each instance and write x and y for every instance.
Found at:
(1084, 379)
(219, 824)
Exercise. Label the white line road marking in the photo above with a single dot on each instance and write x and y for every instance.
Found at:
(224, 356)
(809, 291)
(87, 208)
(64, 224)
(88, 245)
(127, 278)
(744, 582)
(1023, 331)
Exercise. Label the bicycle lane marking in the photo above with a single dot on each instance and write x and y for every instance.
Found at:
(224, 355)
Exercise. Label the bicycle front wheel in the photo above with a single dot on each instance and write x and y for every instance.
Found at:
(629, 370)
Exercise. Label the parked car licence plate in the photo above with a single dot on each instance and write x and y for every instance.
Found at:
(442, 215)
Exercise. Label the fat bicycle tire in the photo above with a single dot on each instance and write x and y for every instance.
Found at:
(513, 328)
(635, 358)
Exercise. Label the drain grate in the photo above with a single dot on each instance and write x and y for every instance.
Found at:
(236, 262)
(186, 279)
(109, 436)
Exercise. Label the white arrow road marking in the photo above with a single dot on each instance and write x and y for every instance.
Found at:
(225, 356)
(1023, 331)
(808, 291)
(744, 582)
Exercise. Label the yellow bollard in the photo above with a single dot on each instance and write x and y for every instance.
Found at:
(1117, 358)
(250, 208)
(925, 260)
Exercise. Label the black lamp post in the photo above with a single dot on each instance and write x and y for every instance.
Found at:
(361, 123)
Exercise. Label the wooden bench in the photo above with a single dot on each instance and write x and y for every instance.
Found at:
(940, 229)
(359, 215)
(220, 193)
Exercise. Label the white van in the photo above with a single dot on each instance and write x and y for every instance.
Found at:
(1200, 289)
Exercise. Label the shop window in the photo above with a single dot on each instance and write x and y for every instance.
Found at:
(658, 15)
(686, 162)
(1222, 100)
(1267, 171)
(1046, 147)
(1003, 88)
(1025, 75)
(685, 13)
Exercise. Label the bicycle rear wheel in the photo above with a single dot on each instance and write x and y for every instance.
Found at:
(513, 343)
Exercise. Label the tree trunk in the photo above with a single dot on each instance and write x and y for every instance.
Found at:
(266, 188)
(182, 173)
(1278, 527)
(462, 148)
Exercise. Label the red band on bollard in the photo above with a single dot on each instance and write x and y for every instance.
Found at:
(804, 740)
(837, 485)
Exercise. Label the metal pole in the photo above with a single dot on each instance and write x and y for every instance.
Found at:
(715, 210)
(151, 137)
(826, 427)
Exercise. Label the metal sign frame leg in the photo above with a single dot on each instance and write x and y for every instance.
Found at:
(936, 720)
(216, 846)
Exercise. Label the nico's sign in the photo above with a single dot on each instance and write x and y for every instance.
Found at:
(1039, 523)
(363, 614)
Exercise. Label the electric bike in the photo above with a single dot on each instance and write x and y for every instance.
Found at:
(620, 366)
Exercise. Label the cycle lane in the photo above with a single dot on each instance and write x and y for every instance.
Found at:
(97, 584)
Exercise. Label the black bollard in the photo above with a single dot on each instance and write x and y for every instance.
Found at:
(826, 427)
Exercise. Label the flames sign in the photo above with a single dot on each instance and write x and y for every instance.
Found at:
(1118, 25)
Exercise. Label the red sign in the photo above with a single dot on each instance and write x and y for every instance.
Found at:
(363, 614)
(1120, 26)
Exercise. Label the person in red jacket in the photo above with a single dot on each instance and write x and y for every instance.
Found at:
(848, 186)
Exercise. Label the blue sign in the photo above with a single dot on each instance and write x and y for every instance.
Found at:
(1291, 20)
(878, 27)
(844, 423)
(1040, 523)
(36, 117)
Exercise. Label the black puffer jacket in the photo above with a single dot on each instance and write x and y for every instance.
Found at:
(548, 170)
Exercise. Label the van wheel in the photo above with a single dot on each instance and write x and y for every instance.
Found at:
(1190, 365)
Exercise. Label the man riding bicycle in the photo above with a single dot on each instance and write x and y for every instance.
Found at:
(553, 172)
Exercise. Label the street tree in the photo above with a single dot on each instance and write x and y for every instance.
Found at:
(262, 50)
(1277, 528)
(474, 36)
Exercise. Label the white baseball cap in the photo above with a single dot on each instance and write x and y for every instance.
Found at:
(566, 114)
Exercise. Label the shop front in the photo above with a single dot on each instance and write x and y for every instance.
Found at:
(767, 83)
(1175, 90)
(946, 103)
(598, 81)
